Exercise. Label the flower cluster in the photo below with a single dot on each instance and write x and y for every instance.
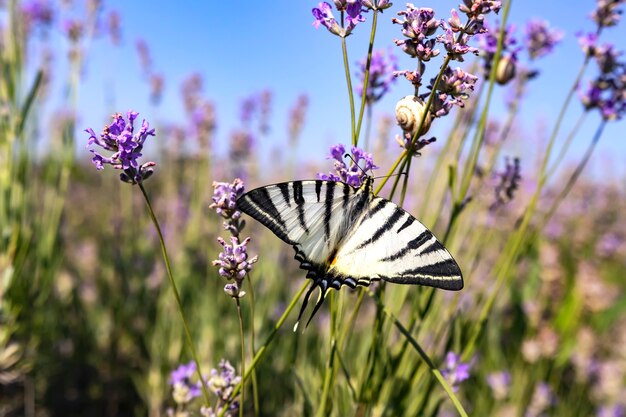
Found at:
(382, 67)
(233, 261)
(455, 371)
(508, 183)
(234, 264)
(418, 25)
(500, 384)
(224, 198)
(540, 39)
(606, 13)
(324, 16)
(607, 92)
(183, 389)
(36, 13)
(353, 175)
(120, 138)
(222, 381)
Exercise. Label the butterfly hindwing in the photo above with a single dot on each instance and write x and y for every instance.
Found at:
(390, 244)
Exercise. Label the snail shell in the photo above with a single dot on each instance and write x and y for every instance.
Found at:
(409, 113)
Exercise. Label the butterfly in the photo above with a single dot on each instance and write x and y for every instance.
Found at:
(344, 235)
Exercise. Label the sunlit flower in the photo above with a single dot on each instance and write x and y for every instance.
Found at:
(500, 383)
(183, 389)
(353, 175)
(120, 138)
(324, 16)
(540, 39)
(455, 371)
(381, 75)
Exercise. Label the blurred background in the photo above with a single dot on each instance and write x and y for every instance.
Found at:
(253, 90)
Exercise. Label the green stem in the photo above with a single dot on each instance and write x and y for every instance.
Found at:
(566, 145)
(480, 131)
(370, 48)
(433, 369)
(346, 66)
(574, 177)
(255, 386)
(243, 357)
(166, 259)
(263, 349)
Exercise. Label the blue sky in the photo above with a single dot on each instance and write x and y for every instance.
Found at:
(244, 47)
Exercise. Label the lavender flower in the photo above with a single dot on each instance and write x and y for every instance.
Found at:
(225, 198)
(381, 75)
(36, 13)
(456, 45)
(615, 410)
(540, 39)
(455, 85)
(406, 139)
(296, 117)
(119, 137)
(543, 398)
(500, 383)
(455, 371)
(353, 175)
(222, 381)
(475, 11)
(234, 264)
(509, 181)
(607, 92)
(507, 65)
(324, 16)
(184, 389)
(417, 25)
(113, 27)
(606, 13)
(74, 29)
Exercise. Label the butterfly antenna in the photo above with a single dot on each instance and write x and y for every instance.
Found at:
(358, 166)
(304, 304)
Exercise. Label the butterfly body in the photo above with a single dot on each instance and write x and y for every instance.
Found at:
(345, 235)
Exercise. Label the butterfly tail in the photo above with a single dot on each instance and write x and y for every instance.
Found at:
(304, 304)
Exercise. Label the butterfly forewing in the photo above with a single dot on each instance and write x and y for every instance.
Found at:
(310, 215)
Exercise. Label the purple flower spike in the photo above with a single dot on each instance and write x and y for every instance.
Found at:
(606, 13)
(455, 371)
(119, 137)
(455, 85)
(184, 389)
(234, 264)
(324, 16)
(417, 25)
(353, 175)
(223, 380)
(381, 76)
(540, 38)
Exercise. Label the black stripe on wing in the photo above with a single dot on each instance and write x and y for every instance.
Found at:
(386, 226)
(444, 274)
(413, 244)
(259, 205)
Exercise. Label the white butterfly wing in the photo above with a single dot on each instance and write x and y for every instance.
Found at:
(390, 244)
(310, 215)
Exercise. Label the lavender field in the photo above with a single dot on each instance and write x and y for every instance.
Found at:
(133, 283)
